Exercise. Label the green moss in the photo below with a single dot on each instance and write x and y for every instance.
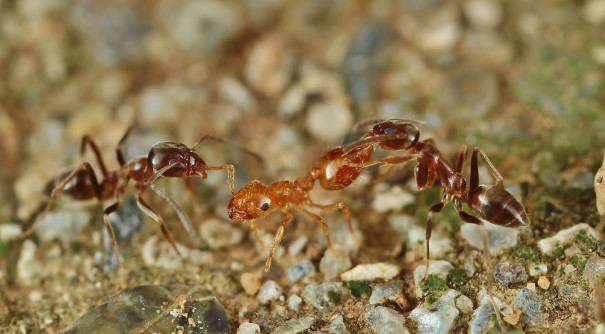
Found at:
(434, 283)
(579, 262)
(585, 239)
(358, 288)
(496, 329)
(559, 251)
(3, 248)
(334, 297)
(529, 253)
(455, 276)
(432, 298)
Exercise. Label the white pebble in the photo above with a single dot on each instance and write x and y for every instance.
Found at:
(483, 14)
(329, 121)
(548, 245)
(537, 270)
(248, 328)
(368, 272)
(393, 200)
(464, 304)
(294, 302)
(270, 290)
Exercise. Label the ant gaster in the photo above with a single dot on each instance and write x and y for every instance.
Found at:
(165, 159)
(491, 203)
(335, 170)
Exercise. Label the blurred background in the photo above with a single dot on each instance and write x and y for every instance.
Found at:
(522, 80)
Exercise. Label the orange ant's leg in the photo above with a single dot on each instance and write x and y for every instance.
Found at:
(429, 228)
(231, 174)
(73, 174)
(488, 263)
(324, 226)
(254, 229)
(151, 213)
(345, 212)
(183, 217)
(277, 238)
(111, 209)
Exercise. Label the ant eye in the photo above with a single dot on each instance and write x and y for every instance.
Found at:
(265, 207)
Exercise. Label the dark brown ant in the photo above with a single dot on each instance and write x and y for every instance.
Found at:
(491, 203)
(165, 159)
(334, 170)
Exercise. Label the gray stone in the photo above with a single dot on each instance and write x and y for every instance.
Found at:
(530, 304)
(386, 321)
(481, 317)
(270, 290)
(331, 266)
(498, 237)
(324, 296)
(384, 292)
(594, 269)
(437, 318)
(506, 273)
(302, 269)
(336, 326)
(293, 326)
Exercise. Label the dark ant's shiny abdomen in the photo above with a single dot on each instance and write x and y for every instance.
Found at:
(497, 206)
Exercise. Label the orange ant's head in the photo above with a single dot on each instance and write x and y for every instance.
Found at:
(178, 160)
(250, 202)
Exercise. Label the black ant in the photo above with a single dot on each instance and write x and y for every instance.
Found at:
(334, 170)
(491, 203)
(165, 159)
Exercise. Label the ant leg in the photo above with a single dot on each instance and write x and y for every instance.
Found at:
(488, 263)
(324, 225)
(151, 213)
(87, 139)
(277, 238)
(254, 229)
(231, 174)
(119, 153)
(230, 143)
(183, 217)
(191, 189)
(112, 236)
(475, 170)
(345, 212)
(71, 176)
(429, 229)
(385, 161)
(461, 159)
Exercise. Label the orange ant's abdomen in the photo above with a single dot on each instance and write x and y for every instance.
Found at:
(334, 174)
(497, 206)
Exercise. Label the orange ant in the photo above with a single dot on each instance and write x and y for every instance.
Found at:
(165, 159)
(491, 203)
(334, 170)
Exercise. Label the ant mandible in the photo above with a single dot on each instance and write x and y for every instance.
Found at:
(491, 203)
(165, 159)
(334, 170)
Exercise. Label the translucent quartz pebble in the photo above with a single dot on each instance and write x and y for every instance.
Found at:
(156, 309)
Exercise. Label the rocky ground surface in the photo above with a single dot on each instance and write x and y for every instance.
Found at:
(522, 80)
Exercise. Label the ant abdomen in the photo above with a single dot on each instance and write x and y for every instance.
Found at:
(497, 206)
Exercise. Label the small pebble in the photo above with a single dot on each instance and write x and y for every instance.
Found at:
(392, 200)
(294, 302)
(248, 328)
(329, 121)
(302, 269)
(483, 14)
(537, 270)
(594, 269)
(251, 282)
(270, 290)
(512, 319)
(531, 287)
(331, 266)
(381, 293)
(599, 178)
(386, 320)
(548, 245)
(336, 326)
(218, 234)
(572, 251)
(294, 326)
(269, 66)
(439, 317)
(569, 269)
(325, 296)
(297, 245)
(368, 272)
(464, 304)
(505, 273)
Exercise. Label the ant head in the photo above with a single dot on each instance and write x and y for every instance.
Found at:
(179, 160)
(250, 202)
(457, 185)
(407, 135)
